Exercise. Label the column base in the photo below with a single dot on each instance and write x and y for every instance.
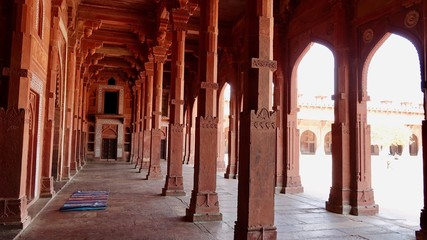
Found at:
(291, 190)
(173, 186)
(291, 185)
(230, 175)
(145, 164)
(202, 217)
(421, 235)
(15, 215)
(340, 209)
(370, 210)
(263, 232)
(338, 201)
(47, 190)
(204, 207)
(173, 193)
(65, 174)
(154, 173)
(363, 204)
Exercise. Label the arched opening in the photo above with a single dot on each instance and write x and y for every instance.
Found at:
(315, 84)
(308, 143)
(111, 81)
(393, 79)
(223, 126)
(328, 143)
(413, 145)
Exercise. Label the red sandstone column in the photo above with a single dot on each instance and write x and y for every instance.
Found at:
(77, 99)
(192, 134)
(47, 179)
(73, 75)
(136, 118)
(422, 233)
(339, 196)
(14, 123)
(140, 134)
(231, 171)
(256, 189)
(204, 204)
(174, 181)
(70, 164)
(361, 192)
(149, 70)
(154, 171)
(186, 135)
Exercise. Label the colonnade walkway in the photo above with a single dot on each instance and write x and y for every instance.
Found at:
(136, 210)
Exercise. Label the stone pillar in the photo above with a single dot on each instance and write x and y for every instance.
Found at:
(186, 135)
(77, 100)
(74, 70)
(149, 70)
(422, 233)
(339, 196)
(192, 133)
(231, 171)
(256, 188)
(69, 108)
(47, 189)
(136, 119)
(140, 135)
(154, 170)
(174, 180)
(204, 204)
(14, 123)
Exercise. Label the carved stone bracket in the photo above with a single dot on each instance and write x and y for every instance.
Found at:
(264, 63)
(177, 102)
(209, 85)
(19, 72)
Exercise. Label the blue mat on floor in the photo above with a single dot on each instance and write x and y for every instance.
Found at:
(86, 200)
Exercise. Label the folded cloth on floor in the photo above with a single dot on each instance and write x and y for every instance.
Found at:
(86, 200)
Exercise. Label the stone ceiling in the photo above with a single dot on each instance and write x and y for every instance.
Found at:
(118, 34)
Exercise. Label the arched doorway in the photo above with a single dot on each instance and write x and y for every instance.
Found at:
(393, 78)
(315, 116)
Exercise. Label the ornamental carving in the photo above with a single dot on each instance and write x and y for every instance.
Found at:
(368, 35)
(177, 128)
(264, 63)
(209, 85)
(263, 120)
(208, 122)
(411, 19)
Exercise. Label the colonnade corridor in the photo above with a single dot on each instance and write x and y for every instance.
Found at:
(136, 210)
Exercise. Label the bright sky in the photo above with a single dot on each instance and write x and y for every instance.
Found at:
(394, 72)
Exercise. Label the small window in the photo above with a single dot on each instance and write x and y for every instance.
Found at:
(308, 142)
(111, 81)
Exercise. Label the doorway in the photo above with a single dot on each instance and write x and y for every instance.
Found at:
(109, 149)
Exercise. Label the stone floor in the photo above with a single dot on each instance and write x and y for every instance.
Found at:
(136, 210)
